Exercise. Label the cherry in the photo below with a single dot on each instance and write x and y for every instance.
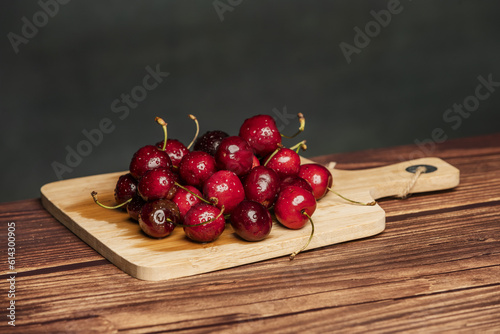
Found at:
(175, 150)
(234, 154)
(158, 218)
(210, 141)
(318, 176)
(134, 207)
(291, 205)
(251, 220)
(185, 200)
(285, 161)
(147, 158)
(157, 184)
(196, 167)
(255, 162)
(126, 188)
(262, 185)
(224, 188)
(209, 221)
(295, 181)
(261, 133)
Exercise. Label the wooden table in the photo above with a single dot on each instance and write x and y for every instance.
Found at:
(436, 267)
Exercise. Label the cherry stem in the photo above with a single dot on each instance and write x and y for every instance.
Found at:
(160, 121)
(197, 130)
(94, 196)
(352, 201)
(292, 256)
(204, 223)
(302, 145)
(280, 146)
(302, 122)
(192, 193)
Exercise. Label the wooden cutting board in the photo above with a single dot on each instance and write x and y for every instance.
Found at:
(120, 240)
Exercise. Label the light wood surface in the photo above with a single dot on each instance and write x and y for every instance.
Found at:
(121, 241)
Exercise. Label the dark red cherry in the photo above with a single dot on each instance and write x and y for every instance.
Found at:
(134, 207)
(147, 158)
(196, 167)
(158, 218)
(175, 150)
(185, 200)
(262, 185)
(295, 181)
(285, 162)
(261, 133)
(199, 214)
(318, 176)
(209, 142)
(126, 188)
(224, 188)
(157, 184)
(251, 221)
(291, 205)
(234, 154)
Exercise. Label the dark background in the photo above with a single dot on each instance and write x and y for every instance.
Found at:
(263, 56)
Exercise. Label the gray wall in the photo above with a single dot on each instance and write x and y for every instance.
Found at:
(263, 57)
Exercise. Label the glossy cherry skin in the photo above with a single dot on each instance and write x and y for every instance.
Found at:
(291, 204)
(318, 176)
(224, 188)
(251, 221)
(126, 188)
(158, 218)
(157, 184)
(196, 167)
(262, 185)
(200, 213)
(147, 158)
(210, 141)
(295, 181)
(175, 150)
(261, 133)
(185, 200)
(285, 162)
(234, 154)
(134, 207)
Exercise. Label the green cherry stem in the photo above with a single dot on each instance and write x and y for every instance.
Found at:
(160, 121)
(94, 196)
(292, 256)
(192, 193)
(197, 130)
(302, 122)
(280, 146)
(352, 201)
(301, 145)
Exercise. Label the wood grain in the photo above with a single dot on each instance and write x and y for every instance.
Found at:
(120, 240)
(435, 268)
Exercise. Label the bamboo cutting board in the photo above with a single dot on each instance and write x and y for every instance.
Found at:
(120, 240)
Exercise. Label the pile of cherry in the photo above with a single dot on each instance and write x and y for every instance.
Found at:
(237, 179)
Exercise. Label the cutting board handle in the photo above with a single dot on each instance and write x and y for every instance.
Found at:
(392, 180)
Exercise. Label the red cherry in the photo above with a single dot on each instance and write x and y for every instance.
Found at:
(261, 133)
(126, 188)
(198, 215)
(318, 176)
(158, 218)
(196, 167)
(210, 141)
(234, 154)
(175, 150)
(291, 205)
(157, 184)
(255, 162)
(251, 221)
(262, 185)
(147, 158)
(224, 188)
(295, 181)
(185, 200)
(285, 162)
(134, 207)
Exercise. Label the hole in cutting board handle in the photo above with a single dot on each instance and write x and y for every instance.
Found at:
(428, 169)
